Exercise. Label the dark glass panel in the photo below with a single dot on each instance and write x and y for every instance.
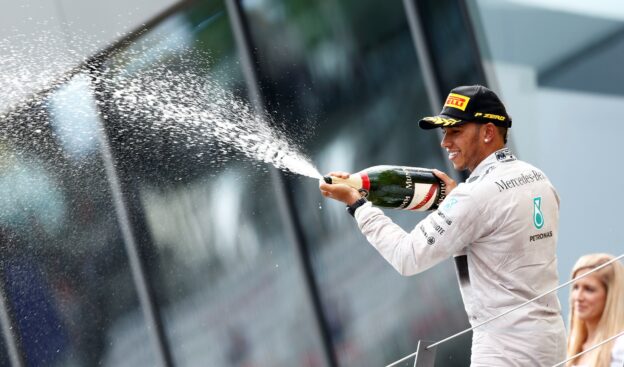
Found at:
(223, 267)
(344, 78)
(63, 262)
(4, 355)
(452, 44)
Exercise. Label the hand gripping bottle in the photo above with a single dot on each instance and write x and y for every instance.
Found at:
(397, 187)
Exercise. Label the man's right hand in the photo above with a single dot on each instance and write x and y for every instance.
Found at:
(340, 192)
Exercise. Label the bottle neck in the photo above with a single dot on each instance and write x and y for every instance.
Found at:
(355, 181)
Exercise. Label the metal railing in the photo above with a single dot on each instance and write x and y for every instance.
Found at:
(420, 352)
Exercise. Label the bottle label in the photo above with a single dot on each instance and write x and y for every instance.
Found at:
(422, 195)
(423, 198)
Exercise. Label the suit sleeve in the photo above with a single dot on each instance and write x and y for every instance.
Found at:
(438, 236)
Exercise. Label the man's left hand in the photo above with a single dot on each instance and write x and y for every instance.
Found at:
(448, 181)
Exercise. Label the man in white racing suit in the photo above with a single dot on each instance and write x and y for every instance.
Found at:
(501, 226)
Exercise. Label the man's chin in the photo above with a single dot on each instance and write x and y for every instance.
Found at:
(458, 166)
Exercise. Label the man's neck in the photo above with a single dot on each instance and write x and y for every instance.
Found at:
(486, 153)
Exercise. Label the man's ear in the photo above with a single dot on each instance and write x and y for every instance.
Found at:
(489, 132)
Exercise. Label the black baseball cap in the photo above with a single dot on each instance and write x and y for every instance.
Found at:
(473, 103)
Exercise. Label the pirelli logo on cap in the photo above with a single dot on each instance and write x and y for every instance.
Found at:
(457, 101)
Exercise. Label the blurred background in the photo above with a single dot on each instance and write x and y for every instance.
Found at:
(121, 246)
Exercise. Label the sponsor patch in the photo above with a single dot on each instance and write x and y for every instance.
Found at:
(523, 179)
(540, 236)
(436, 227)
(490, 116)
(504, 155)
(430, 239)
(457, 101)
(446, 219)
(449, 204)
(538, 217)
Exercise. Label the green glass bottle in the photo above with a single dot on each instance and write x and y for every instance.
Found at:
(397, 187)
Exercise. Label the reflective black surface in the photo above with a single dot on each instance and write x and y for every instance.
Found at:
(67, 279)
(220, 259)
(350, 88)
(452, 44)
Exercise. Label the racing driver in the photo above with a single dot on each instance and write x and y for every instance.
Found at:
(501, 227)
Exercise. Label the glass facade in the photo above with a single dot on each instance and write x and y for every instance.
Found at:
(66, 276)
(452, 46)
(556, 66)
(4, 355)
(222, 266)
(354, 81)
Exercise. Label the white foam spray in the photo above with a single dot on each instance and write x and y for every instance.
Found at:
(172, 90)
(197, 107)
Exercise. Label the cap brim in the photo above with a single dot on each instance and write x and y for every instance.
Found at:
(433, 122)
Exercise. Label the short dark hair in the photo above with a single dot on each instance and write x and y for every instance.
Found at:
(502, 131)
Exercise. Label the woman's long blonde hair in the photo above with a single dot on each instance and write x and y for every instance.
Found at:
(612, 319)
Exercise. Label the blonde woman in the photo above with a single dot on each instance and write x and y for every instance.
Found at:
(597, 313)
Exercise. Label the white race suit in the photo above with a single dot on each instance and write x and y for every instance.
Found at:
(501, 227)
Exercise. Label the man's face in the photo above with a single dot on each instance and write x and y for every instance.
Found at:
(464, 145)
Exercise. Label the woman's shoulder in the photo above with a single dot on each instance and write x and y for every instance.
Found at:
(617, 355)
(619, 342)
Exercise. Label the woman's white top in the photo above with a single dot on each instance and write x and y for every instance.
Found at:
(617, 354)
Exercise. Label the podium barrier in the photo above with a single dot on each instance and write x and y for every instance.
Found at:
(425, 357)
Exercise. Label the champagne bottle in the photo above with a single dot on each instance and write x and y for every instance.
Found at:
(397, 187)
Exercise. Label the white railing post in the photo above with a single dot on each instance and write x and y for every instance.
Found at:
(425, 357)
